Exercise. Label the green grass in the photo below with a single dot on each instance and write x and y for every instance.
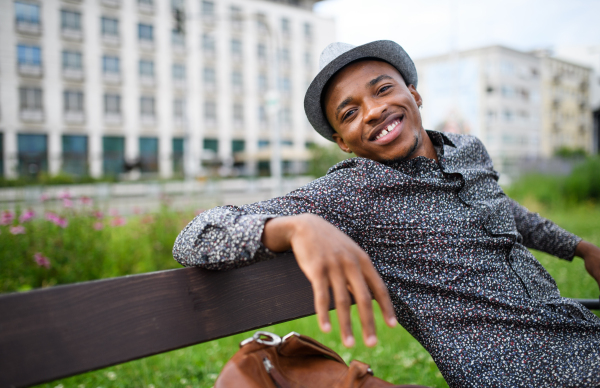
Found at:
(398, 357)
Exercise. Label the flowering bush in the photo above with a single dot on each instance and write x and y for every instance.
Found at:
(77, 244)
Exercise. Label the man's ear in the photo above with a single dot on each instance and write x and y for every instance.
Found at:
(340, 142)
(416, 96)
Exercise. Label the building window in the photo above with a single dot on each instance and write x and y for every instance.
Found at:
(146, 2)
(210, 111)
(147, 106)
(285, 26)
(237, 80)
(75, 154)
(508, 115)
(73, 101)
(148, 154)
(208, 8)
(145, 32)
(178, 72)
(179, 109)
(261, 51)
(110, 27)
(237, 17)
(71, 60)
(211, 144)
(307, 59)
(27, 13)
(284, 55)
(262, 116)
(146, 68)
(112, 104)
(111, 65)
(308, 32)
(236, 48)
(177, 144)
(208, 44)
(113, 154)
(30, 99)
(177, 38)
(70, 20)
(285, 85)
(238, 114)
(261, 23)
(210, 76)
(286, 116)
(263, 144)
(32, 154)
(29, 55)
(262, 83)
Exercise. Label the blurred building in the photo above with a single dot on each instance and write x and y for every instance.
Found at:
(91, 86)
(566, 113)
(492, 93)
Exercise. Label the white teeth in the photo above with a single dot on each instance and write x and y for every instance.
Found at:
(388, 129)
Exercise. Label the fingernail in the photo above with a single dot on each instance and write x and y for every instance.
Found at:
(326, 327)
(371, 341)
(392, 322)
(349, 341)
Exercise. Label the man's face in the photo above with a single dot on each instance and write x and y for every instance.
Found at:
(375, 115)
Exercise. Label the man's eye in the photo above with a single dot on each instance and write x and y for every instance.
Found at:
(384, 88)
(348, 114)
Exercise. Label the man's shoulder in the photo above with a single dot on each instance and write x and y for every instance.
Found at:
(467, 151)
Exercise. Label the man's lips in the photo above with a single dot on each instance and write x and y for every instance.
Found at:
(389, 132)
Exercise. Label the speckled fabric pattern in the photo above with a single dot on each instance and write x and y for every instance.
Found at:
(451, 248)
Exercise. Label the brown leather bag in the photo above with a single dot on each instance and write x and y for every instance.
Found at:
(295, 361)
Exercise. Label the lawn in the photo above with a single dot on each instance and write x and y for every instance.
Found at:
(142, 243)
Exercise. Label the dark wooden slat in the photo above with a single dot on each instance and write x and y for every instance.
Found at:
(66, 330)
(592, 304)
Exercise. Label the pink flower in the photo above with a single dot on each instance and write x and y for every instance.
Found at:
(118, 221)
(19, 229)
(41, 260)
(7, 217)
(98, 214)
(67, 203)
(44, 197)
(86, 200)
(26, 216)
(113, 212)
(57, 220)
(137, 210)
(98, 225)
(64, 195)
(62, 222)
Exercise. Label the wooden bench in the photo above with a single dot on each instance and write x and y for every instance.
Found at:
(65, 330)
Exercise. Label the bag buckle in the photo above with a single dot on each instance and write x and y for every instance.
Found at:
(264, 338)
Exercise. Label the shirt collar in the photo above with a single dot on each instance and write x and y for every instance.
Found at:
(439, 138)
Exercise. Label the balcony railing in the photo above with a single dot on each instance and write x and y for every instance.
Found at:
(111, 40)
(74, 117)
(71, 34)
(111, 3)
(32, 115)
(148, 120)
(27, 27)
(112, 78)
(72, 74)
(113, 118)
(30, 70)
(146, 44)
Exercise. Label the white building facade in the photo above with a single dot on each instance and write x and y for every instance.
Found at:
(492, 93)
(90, 86)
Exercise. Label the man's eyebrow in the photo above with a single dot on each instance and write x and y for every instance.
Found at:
(374, 81)
(342, 106)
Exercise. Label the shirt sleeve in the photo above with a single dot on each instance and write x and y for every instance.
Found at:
(542, 234)
(230, 236)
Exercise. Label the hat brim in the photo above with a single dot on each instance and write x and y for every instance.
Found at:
(386, 50)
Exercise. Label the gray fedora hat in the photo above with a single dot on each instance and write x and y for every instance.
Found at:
(335, 57)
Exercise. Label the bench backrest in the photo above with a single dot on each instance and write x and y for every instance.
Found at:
(65, 330)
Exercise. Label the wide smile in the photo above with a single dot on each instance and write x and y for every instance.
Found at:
(389, 132)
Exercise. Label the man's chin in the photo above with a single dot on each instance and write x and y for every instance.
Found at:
(409, 154)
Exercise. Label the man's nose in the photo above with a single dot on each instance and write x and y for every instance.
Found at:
(373, 111)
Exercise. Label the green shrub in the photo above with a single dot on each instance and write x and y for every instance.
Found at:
(323, 158)
(584, 181)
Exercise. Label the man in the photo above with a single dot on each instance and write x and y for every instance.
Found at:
(419, 217)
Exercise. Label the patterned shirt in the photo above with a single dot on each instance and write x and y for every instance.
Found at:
(452, 249)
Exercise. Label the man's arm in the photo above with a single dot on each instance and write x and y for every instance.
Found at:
(544, 235)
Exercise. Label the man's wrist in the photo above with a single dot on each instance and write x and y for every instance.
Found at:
(582, 248)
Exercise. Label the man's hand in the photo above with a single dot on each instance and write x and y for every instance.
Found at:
(591, 256)
(329, 258)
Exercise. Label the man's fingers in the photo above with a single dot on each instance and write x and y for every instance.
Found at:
(342, 305)
(321, 292)
(362, 296)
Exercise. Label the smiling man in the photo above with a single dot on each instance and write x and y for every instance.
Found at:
(419, 219)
